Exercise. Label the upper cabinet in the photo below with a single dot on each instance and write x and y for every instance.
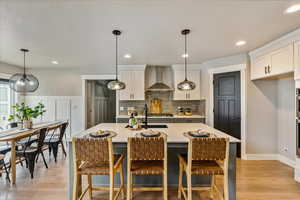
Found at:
(193, 74)
(134, 78)
(277, 62)
(297, 60)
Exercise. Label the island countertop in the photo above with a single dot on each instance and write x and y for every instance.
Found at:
(174, 131)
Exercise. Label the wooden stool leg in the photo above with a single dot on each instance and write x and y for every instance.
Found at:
(165, 182)
(189, 184)
(90, 185)
(128, 185)
(111, 186)
(226, 192)
(212, 186)
(122, 181)
(75, 186)
(180, 180)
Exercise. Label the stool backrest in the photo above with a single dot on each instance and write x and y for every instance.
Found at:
(147, 148)
(92, 150)
(208, 148)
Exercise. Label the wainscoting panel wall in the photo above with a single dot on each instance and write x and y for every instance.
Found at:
(60, 108)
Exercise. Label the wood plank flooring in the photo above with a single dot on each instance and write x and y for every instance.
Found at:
(256, 180)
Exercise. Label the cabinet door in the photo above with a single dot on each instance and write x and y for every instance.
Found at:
(282, 60)
(178, 94)
(195, 77)
(138, 89)
(259, 67)
(297, 60)
(127, 78)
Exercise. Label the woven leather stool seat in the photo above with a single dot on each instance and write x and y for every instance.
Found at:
(204, 167)
(145, 167)
(100, 168)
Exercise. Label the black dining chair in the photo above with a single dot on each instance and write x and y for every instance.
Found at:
(54, 140)
(30, 152)
(3, 167)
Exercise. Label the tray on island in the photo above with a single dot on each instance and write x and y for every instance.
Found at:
(150, 133)
(101, 134)
(198, 133)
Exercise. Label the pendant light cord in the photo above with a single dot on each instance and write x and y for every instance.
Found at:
(185, 57)
(116, 57)
(24, 64)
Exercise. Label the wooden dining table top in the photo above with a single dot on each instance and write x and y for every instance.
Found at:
(18, 134)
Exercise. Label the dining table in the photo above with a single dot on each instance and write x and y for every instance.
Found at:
(16, 134)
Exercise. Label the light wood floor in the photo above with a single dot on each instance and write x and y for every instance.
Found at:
(256, 180)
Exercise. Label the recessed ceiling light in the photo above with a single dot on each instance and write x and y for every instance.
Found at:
(240, 43)
(54, 62)
(293, 8)
(127, 56)
(185, 55)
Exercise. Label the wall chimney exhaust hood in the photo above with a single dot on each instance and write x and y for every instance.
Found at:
(159, 85)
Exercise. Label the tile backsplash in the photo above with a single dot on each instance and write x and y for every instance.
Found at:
(168, 104)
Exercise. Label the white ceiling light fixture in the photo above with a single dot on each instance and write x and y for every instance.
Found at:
(116, 84)
(127, 55)
(293, 8)
(186, 84)
(240, 43)
(185, 55)
(54, 62)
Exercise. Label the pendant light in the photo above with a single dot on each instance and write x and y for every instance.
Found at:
(23, 83)
(116, 84)
(186, 84)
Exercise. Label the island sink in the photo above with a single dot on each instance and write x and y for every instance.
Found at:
(154, 126)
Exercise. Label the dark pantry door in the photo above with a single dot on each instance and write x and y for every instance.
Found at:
(227, 104)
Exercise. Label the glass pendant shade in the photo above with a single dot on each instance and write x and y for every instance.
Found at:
(186, 85)
(116, 85)
(23, 83)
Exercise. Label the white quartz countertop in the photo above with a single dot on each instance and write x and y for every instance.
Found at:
(174, 131)
(174, 116)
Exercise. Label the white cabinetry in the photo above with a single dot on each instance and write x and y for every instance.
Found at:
(134, 78)
(297, 60)
(193, 74)
(278, 62)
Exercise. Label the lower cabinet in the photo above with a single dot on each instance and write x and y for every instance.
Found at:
(167, 120)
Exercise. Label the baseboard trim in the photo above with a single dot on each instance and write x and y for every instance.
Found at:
(277, 157)
(286, 161)
(262, 157)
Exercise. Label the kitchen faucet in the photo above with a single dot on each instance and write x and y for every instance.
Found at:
(146, 116)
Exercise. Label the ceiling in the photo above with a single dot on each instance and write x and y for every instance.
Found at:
(77, 33)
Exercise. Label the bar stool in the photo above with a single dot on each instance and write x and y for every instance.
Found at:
(147, 156)
(96, 157)
(206, 156)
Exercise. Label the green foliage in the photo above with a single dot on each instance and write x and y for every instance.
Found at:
(24, 112)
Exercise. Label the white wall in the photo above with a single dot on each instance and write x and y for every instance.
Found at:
(9, 69)
(286, 118)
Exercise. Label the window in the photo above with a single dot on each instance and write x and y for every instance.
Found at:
(6, 101)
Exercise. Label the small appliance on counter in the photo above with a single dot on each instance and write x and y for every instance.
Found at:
(188, 112)
(180, 111)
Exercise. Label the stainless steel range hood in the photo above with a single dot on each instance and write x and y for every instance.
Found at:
(159, 85)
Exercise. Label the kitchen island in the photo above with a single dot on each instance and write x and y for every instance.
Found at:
(177, 143)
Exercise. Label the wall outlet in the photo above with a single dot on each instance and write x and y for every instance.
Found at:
(121, 108)
(285, 149)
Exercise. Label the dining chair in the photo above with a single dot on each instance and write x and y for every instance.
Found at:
(55, 138)
(96, 157)
(206, 156)
(30, 152)
(3, 167)
(147, 156)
